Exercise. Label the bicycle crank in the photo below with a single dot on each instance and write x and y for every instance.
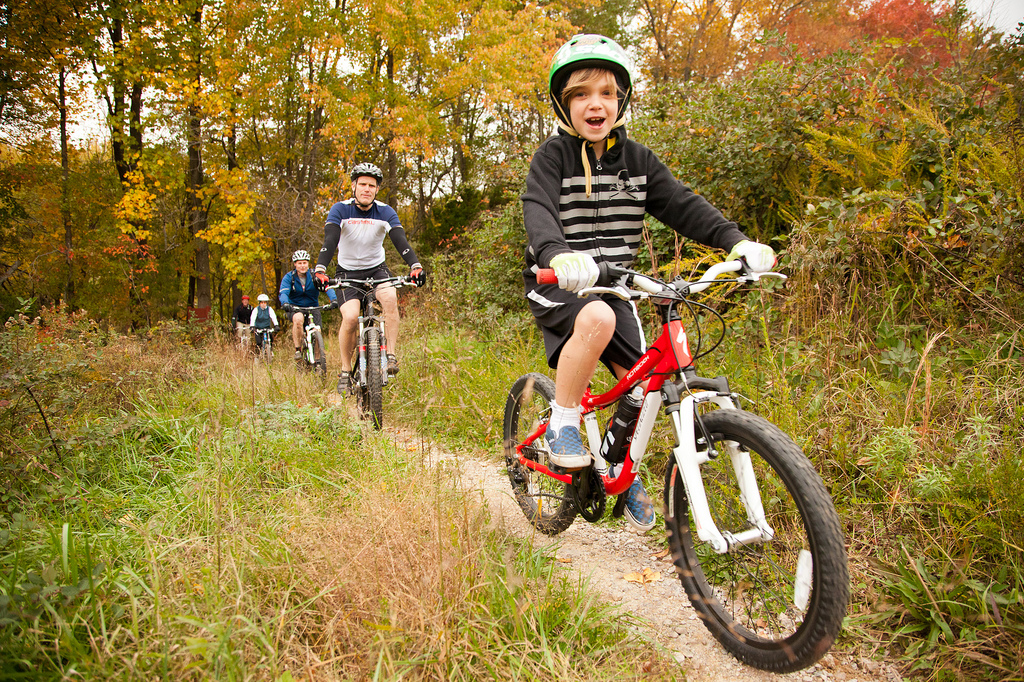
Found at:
(587, 493)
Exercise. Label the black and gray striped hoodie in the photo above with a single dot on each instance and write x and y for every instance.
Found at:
(563, 214)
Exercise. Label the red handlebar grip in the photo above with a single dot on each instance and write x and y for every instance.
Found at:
(546, 276)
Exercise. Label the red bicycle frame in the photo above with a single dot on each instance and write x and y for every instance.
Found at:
(669, 354)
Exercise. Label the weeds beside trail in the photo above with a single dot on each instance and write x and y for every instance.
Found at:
(917, 433)
(177, 512)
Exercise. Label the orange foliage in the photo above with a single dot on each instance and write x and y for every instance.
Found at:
(912, 28)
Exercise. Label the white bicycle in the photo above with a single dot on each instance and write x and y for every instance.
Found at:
(314, 352)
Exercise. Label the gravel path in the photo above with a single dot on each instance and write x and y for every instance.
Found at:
(608, 553)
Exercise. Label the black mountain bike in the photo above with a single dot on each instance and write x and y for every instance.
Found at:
(264, 347)
(369, 372)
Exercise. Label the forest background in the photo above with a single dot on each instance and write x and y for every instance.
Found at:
(877, 145)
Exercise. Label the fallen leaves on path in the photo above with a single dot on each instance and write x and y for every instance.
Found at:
(644, 577)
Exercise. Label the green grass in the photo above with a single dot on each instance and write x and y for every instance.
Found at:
(916, 433)
(225, 520)
(190, 514)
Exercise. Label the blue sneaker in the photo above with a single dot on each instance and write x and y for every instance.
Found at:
(567, 449)
(639, 508)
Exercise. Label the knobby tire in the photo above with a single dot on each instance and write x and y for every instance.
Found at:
(546, 502)
(373, 404)
(319, 354)
(746, 596)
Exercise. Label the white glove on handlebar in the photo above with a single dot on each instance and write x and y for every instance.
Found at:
(759, 257)
(575, 271)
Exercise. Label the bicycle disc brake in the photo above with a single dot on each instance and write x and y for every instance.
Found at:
(587, 492)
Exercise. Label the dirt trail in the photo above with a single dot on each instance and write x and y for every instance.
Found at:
(608, 553)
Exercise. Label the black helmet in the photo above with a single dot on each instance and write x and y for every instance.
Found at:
(367, 169)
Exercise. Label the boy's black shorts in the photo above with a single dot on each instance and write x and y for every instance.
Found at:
(556, 309)
(348, 293)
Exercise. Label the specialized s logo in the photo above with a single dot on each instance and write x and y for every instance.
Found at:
(623, 185)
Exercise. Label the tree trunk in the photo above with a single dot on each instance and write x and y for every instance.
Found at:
(197, 214)
(65, 199)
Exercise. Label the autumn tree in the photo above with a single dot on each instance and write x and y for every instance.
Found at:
(704, 40)
(431, 83)
(45, 49)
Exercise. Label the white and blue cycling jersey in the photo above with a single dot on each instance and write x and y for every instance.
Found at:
(358, 235)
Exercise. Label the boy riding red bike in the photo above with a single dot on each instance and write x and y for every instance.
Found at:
(587, 192)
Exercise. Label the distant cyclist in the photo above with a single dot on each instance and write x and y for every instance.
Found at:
(356, 228)
(298, 289)
(263, 317)
(240, 316)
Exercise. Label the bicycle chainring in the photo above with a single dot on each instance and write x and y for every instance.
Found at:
(587, 493)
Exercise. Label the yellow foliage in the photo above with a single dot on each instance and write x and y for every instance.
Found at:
(243, 243)
(135, 207)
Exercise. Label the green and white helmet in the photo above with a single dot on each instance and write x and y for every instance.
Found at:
(585, 51)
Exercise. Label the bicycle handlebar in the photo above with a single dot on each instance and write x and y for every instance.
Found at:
(547, 276)
(397, 282)
(309, 309)
(616, 280)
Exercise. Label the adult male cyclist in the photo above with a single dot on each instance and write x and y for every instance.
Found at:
(298, 289)
(240, 316)
(356, 228)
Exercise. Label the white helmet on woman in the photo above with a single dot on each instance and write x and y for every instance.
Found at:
(263, 297)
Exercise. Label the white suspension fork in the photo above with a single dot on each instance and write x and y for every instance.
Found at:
(383, 350)
(689, 460)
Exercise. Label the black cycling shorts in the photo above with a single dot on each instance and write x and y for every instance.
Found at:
(555, 311)
(349, 293)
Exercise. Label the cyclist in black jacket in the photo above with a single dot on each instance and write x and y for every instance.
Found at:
(240, 316)
(587, 192)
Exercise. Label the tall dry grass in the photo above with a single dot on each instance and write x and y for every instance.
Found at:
(209, 517)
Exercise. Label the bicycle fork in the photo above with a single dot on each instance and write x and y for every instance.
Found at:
(310, 328)
(686, 425)
(361, 349)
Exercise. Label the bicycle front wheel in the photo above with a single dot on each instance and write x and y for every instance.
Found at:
(776, 605)
(545, 501)
(319, 354)
(372, 403)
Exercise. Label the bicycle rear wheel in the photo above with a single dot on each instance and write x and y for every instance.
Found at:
(319, 354)
(775, 605)
(371, 396)
(545, 501)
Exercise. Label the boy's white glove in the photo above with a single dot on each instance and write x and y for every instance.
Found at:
(575, 271)
(759, 257)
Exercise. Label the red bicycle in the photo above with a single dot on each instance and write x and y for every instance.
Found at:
(755, 538)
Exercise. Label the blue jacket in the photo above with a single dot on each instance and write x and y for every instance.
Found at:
(300, 291)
